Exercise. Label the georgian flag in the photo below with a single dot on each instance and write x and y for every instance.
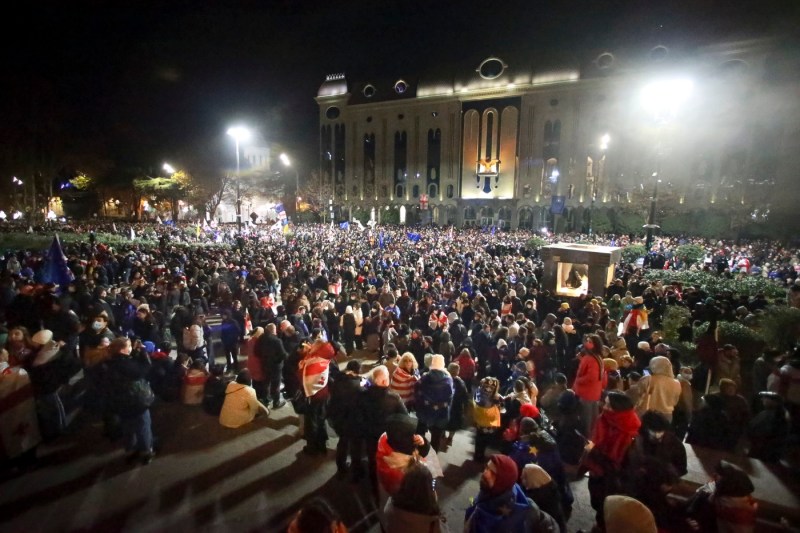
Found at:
(315, 368)
(19, 431)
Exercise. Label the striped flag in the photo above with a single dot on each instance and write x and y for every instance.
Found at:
(19, 431)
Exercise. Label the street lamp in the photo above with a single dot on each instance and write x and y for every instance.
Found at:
(169, 168)
(604, 140)
(239, 134)
(288, 163)
(662, 99)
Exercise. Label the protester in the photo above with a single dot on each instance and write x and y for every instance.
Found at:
(241, 404)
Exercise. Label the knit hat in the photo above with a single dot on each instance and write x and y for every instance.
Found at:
(437, 362)
(619, 401)
(529, 410)
(564, 306)
(149, 346)
(501, 343)
(534, 476)
(348, 309)
(42, 337)
(400, 430)
(143, 307)
(623, 513)
(506, 474)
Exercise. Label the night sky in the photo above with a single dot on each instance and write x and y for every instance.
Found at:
(112, 85)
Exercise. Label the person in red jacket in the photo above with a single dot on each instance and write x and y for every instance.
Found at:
(613, 435)
(590, 381)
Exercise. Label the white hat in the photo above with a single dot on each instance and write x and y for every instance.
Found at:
(42, 337)
(452, 317)
(437, 362)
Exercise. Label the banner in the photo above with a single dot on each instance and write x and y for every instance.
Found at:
(413, 237)
(344, 225)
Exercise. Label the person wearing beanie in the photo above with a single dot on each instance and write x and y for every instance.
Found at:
(623, 513)
(501, 504)
(614, 433)
(433, 396)
(725, 503)
(398, 448)
(659, 391)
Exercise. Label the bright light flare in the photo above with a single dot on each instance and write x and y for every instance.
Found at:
(604, 140)
(663, 98)
(240, 133)
(285, 160)
(169, 168)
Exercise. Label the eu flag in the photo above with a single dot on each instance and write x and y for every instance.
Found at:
(55, 268)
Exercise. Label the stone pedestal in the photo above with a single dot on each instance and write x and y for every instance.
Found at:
(572, 269)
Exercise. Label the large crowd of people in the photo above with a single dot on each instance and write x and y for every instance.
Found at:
(459, 336)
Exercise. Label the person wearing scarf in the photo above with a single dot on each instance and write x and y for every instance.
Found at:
(613, 434)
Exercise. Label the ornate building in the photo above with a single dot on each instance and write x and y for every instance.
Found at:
(519, 143)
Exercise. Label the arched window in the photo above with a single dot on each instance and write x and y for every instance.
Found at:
(450, 191)
(469, 214)
(415, 191)
(433, 190)
(400, 190)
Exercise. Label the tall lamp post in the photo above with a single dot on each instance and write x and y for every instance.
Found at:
(604, 140)
(239, 134)
(288, 164)
(662, 99)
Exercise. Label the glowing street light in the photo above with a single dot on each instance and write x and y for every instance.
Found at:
(288, 163)
(662, 99)
(604, 140)
(169, 168)
(240, 134)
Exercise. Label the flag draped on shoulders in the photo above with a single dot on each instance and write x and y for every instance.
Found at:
(19, 431)
(315, 367)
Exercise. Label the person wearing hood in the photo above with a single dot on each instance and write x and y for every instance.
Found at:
(48, 371)
(544, 492)
(724, 503)
(659, 391)
(433, 396)
(711, 425)
(501, 504)
(623, 513)
(415, 506)
(616, 428)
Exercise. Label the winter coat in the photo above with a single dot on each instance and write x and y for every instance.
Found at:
(433, 396)
(377, 404)
(344, 405)
(401, 521)
(240, 406)
(613, 434)
(459, 406)
(664, 390)
(591, 378)
(271, 351)
(510, 512)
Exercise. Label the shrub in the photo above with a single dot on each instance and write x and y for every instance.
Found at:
(749, 342)
(688, 351)
(535, 243)
(780, 327)
(627, 222)
(690, 253)
(633, 252)
(714, 284)
(674, 317)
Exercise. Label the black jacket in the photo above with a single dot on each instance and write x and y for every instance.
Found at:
(344, 404)
(271, 351)
(377, 404)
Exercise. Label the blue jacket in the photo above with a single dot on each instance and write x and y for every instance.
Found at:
(433, 396)
(510, 512)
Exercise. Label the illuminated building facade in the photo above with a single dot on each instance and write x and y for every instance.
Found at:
(503, 141)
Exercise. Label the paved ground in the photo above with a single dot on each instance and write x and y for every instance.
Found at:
(207, 478)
